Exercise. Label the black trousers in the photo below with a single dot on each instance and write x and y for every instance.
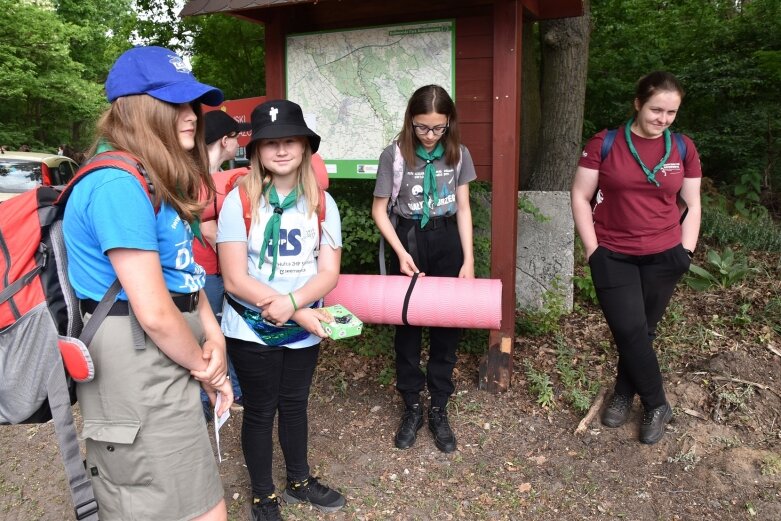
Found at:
(274, 380)
(437, 252)
(634, 291)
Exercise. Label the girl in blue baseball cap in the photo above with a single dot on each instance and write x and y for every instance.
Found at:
(276, 270)
(148, 451)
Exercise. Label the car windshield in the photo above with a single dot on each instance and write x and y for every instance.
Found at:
(18, 175)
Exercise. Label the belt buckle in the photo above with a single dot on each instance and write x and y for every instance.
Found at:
(194, 298)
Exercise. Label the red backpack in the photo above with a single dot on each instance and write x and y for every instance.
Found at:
(42, 337)
(233, 176)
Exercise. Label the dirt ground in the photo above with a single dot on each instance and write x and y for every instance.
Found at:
(720, 458)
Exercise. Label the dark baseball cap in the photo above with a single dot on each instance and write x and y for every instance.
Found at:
(219, 123)
(160, 73)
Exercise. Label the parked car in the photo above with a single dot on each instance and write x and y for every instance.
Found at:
(21, 171)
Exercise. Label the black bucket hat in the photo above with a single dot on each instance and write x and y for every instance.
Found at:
(277, 119)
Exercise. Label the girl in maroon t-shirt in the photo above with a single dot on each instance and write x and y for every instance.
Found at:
(627, 210)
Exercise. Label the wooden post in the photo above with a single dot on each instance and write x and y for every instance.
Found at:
(496, 367)
(275, 56)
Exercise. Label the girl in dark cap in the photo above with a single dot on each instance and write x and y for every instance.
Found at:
(276, 271)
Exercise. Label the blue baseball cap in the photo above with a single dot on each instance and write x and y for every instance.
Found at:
(160, 73)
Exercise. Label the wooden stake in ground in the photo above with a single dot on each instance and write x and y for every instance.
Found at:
(592, 412)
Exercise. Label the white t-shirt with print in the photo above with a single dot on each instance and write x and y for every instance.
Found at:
(296, 261)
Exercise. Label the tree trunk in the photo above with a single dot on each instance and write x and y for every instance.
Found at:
(530, 103)
(564, 68)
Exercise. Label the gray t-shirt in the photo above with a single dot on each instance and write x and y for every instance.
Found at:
(410, 202)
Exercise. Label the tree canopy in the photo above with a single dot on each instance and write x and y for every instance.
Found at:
(726, 53)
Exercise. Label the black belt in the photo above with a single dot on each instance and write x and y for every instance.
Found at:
(186, 303)
(432, 224)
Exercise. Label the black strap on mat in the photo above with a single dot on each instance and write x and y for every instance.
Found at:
(407, 297)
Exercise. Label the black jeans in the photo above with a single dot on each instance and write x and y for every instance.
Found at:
(634, 291)
(274, 380)
(436, 252)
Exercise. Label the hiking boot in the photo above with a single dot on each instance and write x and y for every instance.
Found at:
(411, 422)
(312, 491)
(617, 411)
(266, 509)
(652, 426)
(444, 438)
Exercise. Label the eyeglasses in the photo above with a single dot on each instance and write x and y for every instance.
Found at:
(422, 130)
(233, 135)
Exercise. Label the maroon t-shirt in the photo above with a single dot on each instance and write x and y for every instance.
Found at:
(631, 214)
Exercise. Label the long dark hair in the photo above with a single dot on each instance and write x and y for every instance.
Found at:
(431, 98)
(654, 82)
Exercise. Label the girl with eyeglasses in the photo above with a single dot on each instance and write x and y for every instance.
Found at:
(429, 227)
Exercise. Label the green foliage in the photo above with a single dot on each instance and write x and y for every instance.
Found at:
(360, 236)
(585, 286)
(474, 341)
(578, 390)
(747, 191)
(756, 232)
(479, 201)
(723, 270)
(235, 64)
(538, 322)
(375, 340)
(728, 57)
(525, 205)
(540, 385)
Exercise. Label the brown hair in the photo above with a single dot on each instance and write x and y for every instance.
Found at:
(655, 82)
(259, 179)
(147, 128)
(431, 98)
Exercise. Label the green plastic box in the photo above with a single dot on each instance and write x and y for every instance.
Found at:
(344, 324)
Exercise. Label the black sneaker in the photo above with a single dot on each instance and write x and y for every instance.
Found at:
(266, 509)
(312, 491)
(652, 426)
(411, 422)
(444, 438)
(617, 411)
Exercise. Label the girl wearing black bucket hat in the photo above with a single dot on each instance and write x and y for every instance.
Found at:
(276, 273)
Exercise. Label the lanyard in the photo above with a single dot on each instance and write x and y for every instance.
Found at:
(649, 174)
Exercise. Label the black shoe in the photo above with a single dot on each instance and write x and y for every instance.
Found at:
(266, 509)
(411, 422)
(652, 426)
(617, 411)
(444, 438)
(312, 491)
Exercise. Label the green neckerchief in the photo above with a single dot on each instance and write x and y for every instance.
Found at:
(195, 226)
(271, 234)
(649, 174)
(429, 177)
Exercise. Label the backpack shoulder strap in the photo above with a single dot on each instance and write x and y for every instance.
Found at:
(398, 173)
(607, 143)
(681, 144)
(111, 159)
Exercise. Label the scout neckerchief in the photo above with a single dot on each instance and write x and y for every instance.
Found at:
(429, 177)
(271, 234)
(649, 174)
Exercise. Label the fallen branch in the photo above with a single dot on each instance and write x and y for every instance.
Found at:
(696, 414)
(746, 382)
(592, 412)
(773, 350)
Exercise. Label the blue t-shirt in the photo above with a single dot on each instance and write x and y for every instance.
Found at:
(296, 262)
(110, 209)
